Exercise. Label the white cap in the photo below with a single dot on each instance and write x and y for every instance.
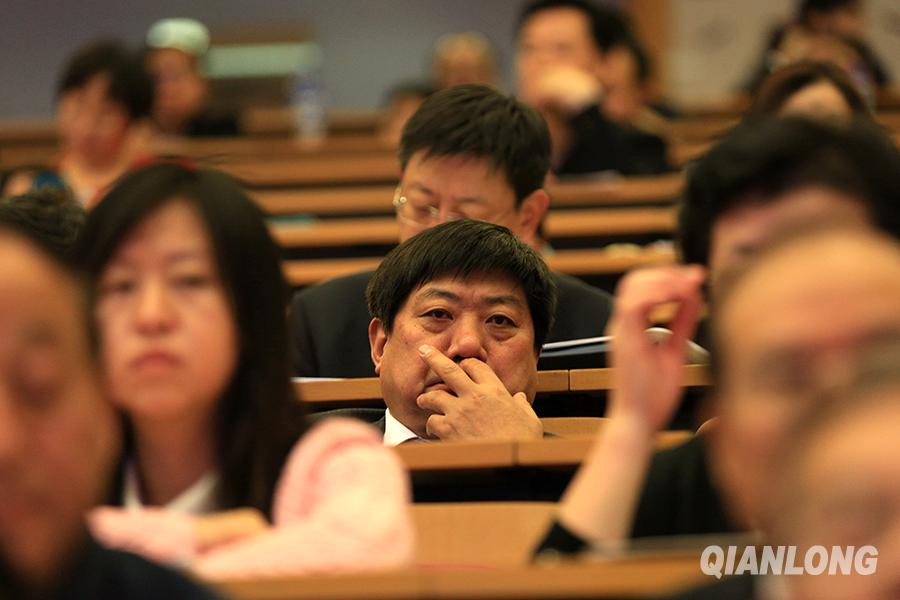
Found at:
(188, 35)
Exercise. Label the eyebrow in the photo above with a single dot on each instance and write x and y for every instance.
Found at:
(442, 294)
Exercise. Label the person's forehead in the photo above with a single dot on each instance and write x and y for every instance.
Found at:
(176, 226)
(34, 292)
(560, 19)
(473, 289)
(835, 290)
(458, 175)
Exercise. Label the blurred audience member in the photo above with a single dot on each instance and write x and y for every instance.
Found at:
(815, 89)
(52, 215)
(402, 102)
(825, 31)
(461, 58)
(174, 56)
(104, 98)
(561, 68)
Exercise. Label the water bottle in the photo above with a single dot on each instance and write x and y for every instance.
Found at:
(308, 98)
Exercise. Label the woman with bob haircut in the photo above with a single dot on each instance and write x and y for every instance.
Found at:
(190, 306)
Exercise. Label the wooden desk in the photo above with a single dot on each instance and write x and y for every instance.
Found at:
(336, 393)
(374, 167)
(372, 200)
(385, 231)
(578, 263)
(344, 391)
(637, 576)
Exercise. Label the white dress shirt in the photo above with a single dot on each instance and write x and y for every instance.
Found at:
(198, 499)
(395, 432)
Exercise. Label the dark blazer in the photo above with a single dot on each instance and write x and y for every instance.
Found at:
(330, 322)
(600, 144)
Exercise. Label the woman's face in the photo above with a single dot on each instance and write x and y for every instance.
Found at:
(170, 342)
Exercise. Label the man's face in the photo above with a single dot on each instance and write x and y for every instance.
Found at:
(93, 126)
(845, 491)
(553, 38)
(623, 92)
(795, 327)
(484, 317)
(441, 188)
(742, 231)
(57, 435)
(180, 89)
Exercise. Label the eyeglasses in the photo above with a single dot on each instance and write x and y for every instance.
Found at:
(421, 216)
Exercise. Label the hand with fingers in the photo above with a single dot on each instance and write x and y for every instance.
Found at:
(649, 375)
(476, 404)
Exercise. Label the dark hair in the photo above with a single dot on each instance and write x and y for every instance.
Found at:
(771, 156)
(641, 59)
(129, 82)
(52, 216)
(608, 26)
(259, 418)
(460, 249)
(477, 121)
(806, 7)
(778, 87)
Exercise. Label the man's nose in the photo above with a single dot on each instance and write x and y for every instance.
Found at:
(467, 340)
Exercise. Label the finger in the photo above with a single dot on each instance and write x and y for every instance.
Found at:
(438, 426)
(521, 397)
(450, 372)
(684, 324)
(437, 401)
(479, 372)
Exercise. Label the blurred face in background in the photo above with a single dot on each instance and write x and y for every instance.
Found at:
(180, 88)
(436, 189)
(623, 92)
(820, 99)
(551, 39)
(94, 128)
(58, 436)
(170, 343)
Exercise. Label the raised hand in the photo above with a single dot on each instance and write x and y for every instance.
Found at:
(476, 404)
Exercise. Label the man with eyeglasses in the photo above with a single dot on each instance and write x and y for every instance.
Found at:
(467, 152)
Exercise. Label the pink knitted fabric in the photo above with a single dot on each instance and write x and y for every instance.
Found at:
(341, 504)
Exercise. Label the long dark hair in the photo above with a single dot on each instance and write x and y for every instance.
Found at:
(258, 417)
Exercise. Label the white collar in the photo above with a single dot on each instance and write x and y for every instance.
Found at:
(198, 499)
(395, 432)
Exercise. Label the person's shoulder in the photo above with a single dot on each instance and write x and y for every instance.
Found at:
(126, 575)
(345, 285)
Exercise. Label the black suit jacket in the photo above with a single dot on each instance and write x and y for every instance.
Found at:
(330, 321)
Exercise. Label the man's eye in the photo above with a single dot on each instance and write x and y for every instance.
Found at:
(501, 320)
(438, 313)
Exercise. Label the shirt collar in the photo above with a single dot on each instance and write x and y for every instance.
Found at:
(395, 432)
(198, 499)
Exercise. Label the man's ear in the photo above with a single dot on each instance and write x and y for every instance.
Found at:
(377, 340)
(531, 213)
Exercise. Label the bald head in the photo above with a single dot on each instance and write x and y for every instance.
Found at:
(793, 325)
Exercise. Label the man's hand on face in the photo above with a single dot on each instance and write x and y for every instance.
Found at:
(478, 405)
(649, 375)
(565, 89)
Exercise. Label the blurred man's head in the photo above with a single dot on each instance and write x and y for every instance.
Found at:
(770, 175)
(469, 289)
(570, 33)
(175, 48)
(471, 152)
(625, 78)
(842, 17)
(464, 58)
(57, 433)
(796, 323)
(103, 92)
(839, 486)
